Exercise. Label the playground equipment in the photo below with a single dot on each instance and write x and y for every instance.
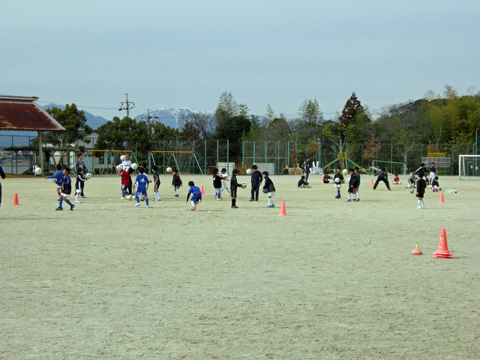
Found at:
(180, 160)
(342, 158)
(375, 165)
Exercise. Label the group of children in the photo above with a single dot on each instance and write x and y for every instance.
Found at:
(338, 180)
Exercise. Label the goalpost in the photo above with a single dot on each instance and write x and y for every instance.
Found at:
(468, 166)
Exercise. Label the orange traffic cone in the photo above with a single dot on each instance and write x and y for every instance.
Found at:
(201, 190)
(283, 212)
(442, 200)
(442, 251)
(416, 251)
(15, 199)
(371, 181)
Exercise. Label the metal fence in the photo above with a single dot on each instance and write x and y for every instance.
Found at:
(21, 156)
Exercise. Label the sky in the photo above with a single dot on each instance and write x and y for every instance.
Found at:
(184, 53)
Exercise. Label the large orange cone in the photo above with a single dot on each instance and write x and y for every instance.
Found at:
(371, 181)
(442, 251)
(201, 190)
(416, 251)
(15, 199)
(442, 200)
(283, 212)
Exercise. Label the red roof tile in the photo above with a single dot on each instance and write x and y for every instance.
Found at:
(22, 113)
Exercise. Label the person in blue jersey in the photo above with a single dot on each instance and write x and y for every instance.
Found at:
(58, 176)
(196, 195)
(141, 184)
(2, 175)
(66, 190)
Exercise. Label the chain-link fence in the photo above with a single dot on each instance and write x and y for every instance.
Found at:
(18, 155)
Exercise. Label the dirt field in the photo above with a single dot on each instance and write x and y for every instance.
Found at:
(325, 282)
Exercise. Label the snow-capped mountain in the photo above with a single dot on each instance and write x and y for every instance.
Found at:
(173, 117)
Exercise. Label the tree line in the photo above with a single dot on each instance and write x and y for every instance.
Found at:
(435, 119)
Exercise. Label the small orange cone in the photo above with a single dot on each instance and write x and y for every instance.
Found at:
(15, 199)
(442, 251)
(371, 181)
(283, 212)
(442, 200)
(201, 190)
(416, 251)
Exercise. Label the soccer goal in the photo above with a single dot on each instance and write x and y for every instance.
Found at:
(468, 166)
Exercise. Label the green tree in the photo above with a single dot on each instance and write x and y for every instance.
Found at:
(310, 111)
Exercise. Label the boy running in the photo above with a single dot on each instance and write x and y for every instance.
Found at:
(66, 190)
(196, 195)
(141, 184)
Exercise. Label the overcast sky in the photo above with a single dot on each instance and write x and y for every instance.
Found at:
(186, 53)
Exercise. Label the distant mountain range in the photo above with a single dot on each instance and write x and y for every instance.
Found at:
(172, 117)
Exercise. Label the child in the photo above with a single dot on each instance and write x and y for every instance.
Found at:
(141, 183)
(79, 185)
(396, 180)
(269, 189)
(433, 172)
(125, 181)
(302, 183)
(2, 175)
(234, 185)
(80, 165)
(125, 165)
(196, 195)
(327, 179)
(338, 183)
(58, 176)
(156, 184)
(382, 176)
(255, 180)
(217, 184)
(224, 181)
(176, 182)
(411, 179)
(421, 186)
(352, 184)
(357, 193)
(66, 190)
(435, 185)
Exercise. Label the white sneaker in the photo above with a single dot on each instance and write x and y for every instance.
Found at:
(137, 204)
(78, 201)
(146, 206)
(122, 198)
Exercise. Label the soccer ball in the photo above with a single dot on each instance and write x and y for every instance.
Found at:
(244, 185)
(345, 171)
(169, 170)
(129, 197)
(134, 166)
(337, 180)
(38, 171)
(122, 158)
(88, 176)
(411, 191)
(249, 171)
(265, 191)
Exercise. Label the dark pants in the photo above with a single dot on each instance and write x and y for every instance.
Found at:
(0, 194)
(79, 185)
(378, 180)
(306, 175)
(130, 184)
(254, 192)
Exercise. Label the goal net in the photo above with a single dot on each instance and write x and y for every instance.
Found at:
(468, 165)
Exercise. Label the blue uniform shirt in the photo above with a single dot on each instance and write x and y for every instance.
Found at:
(142, 181)
(196, 193)
(57, 175)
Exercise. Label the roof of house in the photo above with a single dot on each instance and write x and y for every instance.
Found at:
(23, 113)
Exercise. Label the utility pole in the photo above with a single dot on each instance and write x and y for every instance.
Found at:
(127, 105)
(148, 117)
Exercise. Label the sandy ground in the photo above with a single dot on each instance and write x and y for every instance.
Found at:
(325, 282)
